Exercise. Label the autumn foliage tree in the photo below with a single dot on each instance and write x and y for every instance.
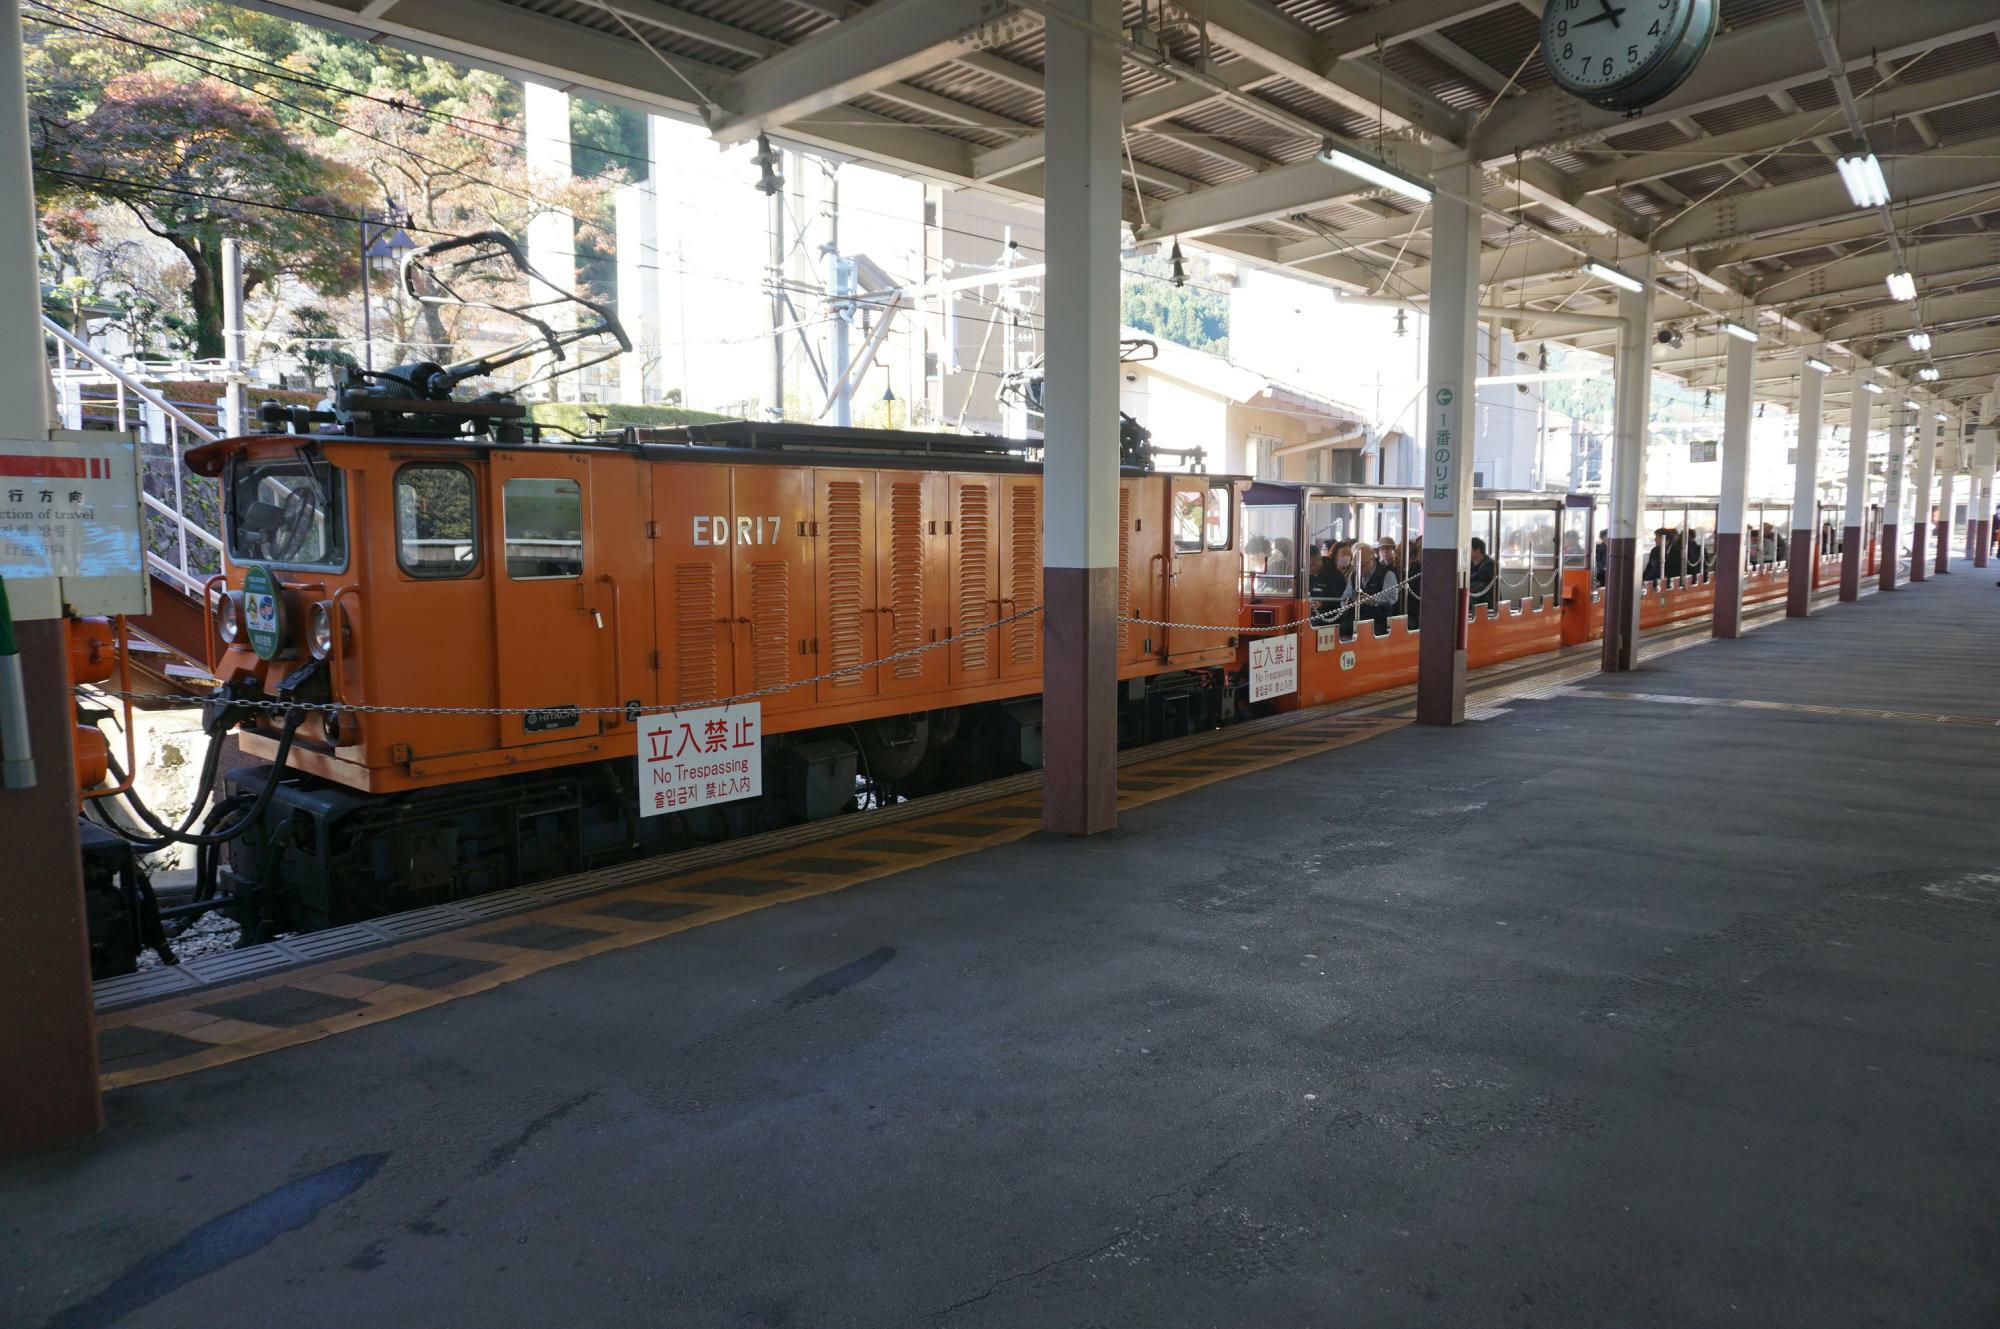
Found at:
(195, 161)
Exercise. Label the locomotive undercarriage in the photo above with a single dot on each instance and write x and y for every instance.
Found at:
(323, 855)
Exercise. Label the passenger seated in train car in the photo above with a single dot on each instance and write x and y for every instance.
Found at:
(1483, 577)
(1328, 586)
(1389, 552)
(1665, 560)
(1602, 558)
(1378, 588)
(1698, 557)
(1413, 584)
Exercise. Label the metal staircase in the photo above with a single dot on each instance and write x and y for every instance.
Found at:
(183, 510)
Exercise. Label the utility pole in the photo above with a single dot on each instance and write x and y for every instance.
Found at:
(232, 336)
(771, 183)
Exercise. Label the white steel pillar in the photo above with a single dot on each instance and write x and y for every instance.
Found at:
(1895, 487)
(1451, 408)
(1980, 520)
(1805, 495)
(1854, 531)
(1920, 490)
(48, 1038)
(1084, 214)
(1632, 406)
(1727, 620)
(1951, 454)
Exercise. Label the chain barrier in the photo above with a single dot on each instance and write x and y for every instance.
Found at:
(633, 712)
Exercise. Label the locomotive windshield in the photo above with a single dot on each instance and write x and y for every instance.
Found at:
(286, 510)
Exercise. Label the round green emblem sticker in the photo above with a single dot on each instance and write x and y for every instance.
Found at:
(263, 611)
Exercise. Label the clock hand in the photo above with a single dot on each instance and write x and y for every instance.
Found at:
(1609, 13)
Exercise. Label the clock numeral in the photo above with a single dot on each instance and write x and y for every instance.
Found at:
(1607, 65)
(1569, 51)
(1562, 27)
(1631, 55)
(1654, 31)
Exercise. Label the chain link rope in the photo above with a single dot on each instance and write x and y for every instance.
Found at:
(634, 712)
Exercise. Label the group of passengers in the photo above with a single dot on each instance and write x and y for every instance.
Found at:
(1355, 581)
(1690, 554)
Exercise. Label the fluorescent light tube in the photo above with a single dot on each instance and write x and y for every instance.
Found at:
(1375, 173)
(1920, 341)
(1928, 374)
(1875, 388)
(1738, 331)
(1623, 281)
(1943, 419)
(1902, 286)
(1865, 182)
(1814, 362)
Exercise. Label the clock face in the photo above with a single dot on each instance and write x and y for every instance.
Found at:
(1602, 50)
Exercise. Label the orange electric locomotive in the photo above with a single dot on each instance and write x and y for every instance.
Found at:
(441, 631)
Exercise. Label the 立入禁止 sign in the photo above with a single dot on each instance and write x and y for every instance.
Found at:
(1274, 667)
(690, 759)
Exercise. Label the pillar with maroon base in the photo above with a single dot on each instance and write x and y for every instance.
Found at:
(48, 1034)
(1727, 620)
(1632, 402)
(1947, 473)
(1921, 481)
(1083, 213)
(1805, 492)
(1980, 521)
(1894, 487)
(1451, 408)
(1854, 534)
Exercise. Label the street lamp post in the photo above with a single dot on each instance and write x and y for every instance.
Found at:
(385, 244)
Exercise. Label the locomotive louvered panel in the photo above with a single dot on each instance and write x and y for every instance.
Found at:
(1124, 571)
(846, 572)
(975, 576)
(1024, 567)
(770, 623)
(696, 676)
(906, 574)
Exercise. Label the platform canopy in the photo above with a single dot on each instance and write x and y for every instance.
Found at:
(1731, 178)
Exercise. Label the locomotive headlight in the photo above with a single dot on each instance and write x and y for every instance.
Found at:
(229, 617)
(320, 636)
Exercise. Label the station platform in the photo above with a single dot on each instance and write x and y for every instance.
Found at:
(1665, 998)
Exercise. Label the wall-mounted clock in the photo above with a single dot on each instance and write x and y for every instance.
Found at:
(1625, 54)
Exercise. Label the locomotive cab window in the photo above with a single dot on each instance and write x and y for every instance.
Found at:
(436, 526)
(286, 511)
(544, 528)
(1190, 520)
(1221, 509)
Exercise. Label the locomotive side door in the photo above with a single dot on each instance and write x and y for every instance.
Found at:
(1202, 566)
(551, 637)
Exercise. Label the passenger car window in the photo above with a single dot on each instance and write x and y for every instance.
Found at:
(1190, 520)
(544, 528)
(286, 511)
(1220, 510)
(436, 523)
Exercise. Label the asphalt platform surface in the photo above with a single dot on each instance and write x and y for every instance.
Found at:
(1603, 1012)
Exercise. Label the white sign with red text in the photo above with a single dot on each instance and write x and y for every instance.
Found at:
(1274, 667)
(691, 759)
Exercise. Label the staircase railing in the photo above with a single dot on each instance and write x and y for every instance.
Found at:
(180, 549)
